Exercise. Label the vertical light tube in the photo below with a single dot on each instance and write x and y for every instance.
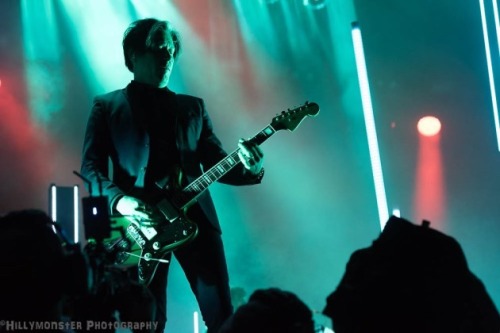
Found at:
(76, 213)
(371, 132)
(53, 204)
(497, 23)
(196, 322)
(490, 69)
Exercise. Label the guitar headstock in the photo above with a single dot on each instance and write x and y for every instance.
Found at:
(292, 118)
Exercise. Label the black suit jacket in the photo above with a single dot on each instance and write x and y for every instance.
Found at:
(115, 132)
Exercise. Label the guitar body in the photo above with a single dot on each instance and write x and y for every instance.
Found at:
(145, 247)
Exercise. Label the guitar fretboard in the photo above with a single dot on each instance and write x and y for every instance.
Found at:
(198, 186)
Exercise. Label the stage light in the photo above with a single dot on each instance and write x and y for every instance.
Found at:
(429, 126)
(315, 4)
(53, 203)
(196, 325)
(76, 213)
(64, 208)
(491, 77)
(371, 132)
(497, 22)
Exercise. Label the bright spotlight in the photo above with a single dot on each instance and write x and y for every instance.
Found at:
(429, 126)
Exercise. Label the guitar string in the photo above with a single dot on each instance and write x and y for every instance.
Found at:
(164, 261)
(212, 172)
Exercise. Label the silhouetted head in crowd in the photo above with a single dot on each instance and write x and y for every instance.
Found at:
(31, 264)
(271, 310)
(412, 279)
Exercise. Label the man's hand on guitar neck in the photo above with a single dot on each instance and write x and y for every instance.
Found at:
(251, 155)
(138, 210)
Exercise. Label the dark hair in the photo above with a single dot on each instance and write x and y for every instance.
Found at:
(271, 310)
(32, 260)
(137, 38)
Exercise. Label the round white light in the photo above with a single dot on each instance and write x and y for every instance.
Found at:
(429, 126)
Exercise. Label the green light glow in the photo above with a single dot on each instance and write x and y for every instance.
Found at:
(42, 56)
(98, 51)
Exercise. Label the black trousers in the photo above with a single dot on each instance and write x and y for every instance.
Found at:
(204, 264)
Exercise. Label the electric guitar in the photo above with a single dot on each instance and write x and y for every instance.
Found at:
(146, 246)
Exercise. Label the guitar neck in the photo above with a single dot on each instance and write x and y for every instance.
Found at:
(191, 192)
